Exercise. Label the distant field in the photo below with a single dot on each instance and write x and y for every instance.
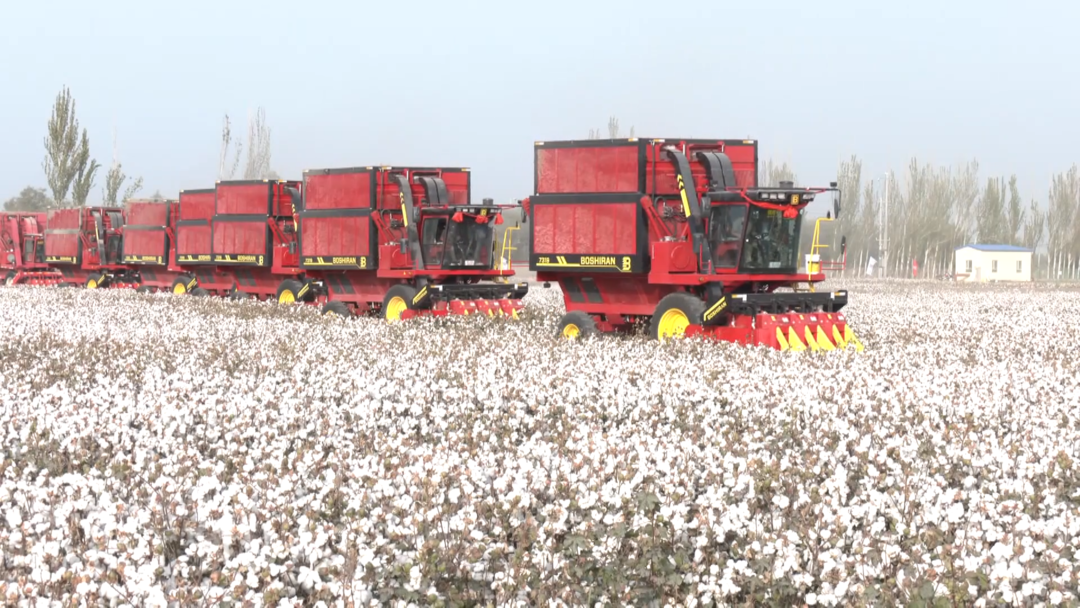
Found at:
(191, 450)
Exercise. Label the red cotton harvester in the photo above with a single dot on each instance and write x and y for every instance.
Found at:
(85, 245)
(22, 236)
(148, 251)
(677, 233)
(402, 242)
(238, 239)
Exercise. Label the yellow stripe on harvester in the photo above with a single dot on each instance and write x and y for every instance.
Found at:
(419, 295)
(682, 193)
(714, 309)
(823, 340)
(560, 262)
(849, 337)
(839, 339)
(794, 341)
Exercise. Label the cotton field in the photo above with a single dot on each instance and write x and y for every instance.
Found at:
(164, 450)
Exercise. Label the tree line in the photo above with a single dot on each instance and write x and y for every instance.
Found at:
(930, 211)
(926, 212)
(70, 170)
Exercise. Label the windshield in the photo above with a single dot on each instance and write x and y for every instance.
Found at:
(726, 224)
(772, 241)
(468, 244)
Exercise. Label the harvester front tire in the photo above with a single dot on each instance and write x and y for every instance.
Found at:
(95, 281)
(291, 291)
(674, 313)
(398, 299)
(577, 324)
(180, 285)
(339, 309)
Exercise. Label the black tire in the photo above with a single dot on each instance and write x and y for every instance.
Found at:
(339, 309)
(396, 297)
(199, 292)
(685, 307)
(180, 285)
(144, 289)
(7, 278)
(288, 292)
(577, 324)
(95, 281)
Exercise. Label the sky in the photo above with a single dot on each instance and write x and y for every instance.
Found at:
(352, 83)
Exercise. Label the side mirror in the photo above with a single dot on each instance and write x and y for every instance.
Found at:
(843, 245)
(836, 205)
(404, 246)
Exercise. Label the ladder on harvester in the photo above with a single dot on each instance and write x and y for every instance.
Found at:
(506, 263)
(813, 259)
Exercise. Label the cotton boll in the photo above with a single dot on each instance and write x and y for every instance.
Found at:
(355, 448)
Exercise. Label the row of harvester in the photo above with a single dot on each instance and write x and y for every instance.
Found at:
(677, 234)
(401, 240)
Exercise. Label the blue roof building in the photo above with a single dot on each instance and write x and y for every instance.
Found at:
(1012, 248)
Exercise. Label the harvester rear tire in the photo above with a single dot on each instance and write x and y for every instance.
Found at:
(236, 294)
(674, 313)
(10, 276)
(144, 289)
(339, 309)
(95, 281)
(577, 324)
(199, 292)
(398, 299)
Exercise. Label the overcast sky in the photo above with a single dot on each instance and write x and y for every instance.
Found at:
(350, 83)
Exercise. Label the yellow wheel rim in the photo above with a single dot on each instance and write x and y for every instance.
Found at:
(179, 288)
(673, 324)
(394, 308)
(571, 331)
(91, 284)
(286, 297)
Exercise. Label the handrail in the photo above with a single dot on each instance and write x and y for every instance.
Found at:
(507, 246)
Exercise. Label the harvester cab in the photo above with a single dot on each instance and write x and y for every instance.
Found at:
(22, 240)
(441, 230)
(741, 229)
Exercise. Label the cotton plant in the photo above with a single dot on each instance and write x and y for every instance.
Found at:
(162, 450)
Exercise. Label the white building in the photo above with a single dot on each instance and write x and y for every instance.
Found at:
(993, 263)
